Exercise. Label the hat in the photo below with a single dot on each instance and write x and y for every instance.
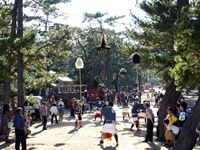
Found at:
(19, 108)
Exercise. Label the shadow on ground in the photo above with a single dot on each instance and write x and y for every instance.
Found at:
(39, 125)
(153, 146)
(32, 148)
(139, 133)
(72, 131)
(59, 144)
(5, 145)
(108, 147)
(35, 133)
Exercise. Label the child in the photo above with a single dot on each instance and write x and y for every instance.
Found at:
(29, 118)
(182, 114)
(171, 117)
(98, 114)
(170, 133)
(125, 112)
(98, 109)
(78, 122)
(27, 127)
(61, 112)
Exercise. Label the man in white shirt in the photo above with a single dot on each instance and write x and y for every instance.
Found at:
(43, 111)
(150, 121)
(54, 113)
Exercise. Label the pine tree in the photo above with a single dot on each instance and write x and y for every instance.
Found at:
(155, 36)
(187, 70)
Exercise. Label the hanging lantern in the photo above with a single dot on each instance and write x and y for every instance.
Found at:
(123, 71)
(136, 59)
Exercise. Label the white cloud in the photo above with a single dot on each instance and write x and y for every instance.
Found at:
(76, 8)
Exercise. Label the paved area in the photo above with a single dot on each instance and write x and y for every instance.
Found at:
(65, 137)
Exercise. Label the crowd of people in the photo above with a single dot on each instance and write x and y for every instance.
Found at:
(22, 120)
(103, 109)
(174, 122)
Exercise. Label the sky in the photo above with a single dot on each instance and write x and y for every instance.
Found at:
(76, 8)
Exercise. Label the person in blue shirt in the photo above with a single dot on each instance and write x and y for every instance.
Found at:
(20, 130)
(110, 123)
(135, 111)
(61, 112)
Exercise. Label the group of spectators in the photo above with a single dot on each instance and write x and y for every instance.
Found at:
(174, 122)
(22, 120)
(52, 110)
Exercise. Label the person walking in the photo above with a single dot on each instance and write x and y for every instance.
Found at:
(150, 121)
(60, 102)
(110, 123)
(43, 111)
(20, 130)
(36, 106)
(61, 112)
(72, 107)
(134, 112)
(54, 112)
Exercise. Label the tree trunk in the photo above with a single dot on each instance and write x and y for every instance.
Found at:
(6, 91)
(7, 87)
(20, 68)
(117, 82)
(169, 100)
(188, 136)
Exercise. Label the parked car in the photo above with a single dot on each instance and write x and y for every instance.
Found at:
(29, 102)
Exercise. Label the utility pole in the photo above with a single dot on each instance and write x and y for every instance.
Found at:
(106, 51)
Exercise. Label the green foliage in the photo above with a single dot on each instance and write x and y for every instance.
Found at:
(187, 69)
(86, 43)
(153, 37)
(31, 99)
(42, 51)
(5, 19)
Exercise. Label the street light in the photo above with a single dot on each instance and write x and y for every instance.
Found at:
(79, 65)
(105, 50)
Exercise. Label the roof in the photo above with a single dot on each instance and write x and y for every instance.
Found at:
(65, 79)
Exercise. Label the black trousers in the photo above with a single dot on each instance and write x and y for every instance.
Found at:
(37, 114)
(20, 139)
(72, 112)
(44, 122)
(52, 116)
(149, 135)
